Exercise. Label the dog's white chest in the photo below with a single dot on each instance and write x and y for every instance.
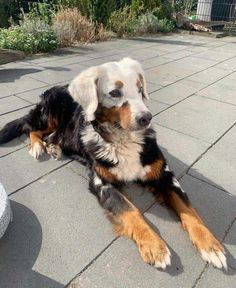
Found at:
(128, 149)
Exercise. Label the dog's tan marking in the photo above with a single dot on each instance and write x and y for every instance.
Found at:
(155, 170)
(151, 247)
(105, 174)
(209, 247)
(119, 84)
(37, 146)
(121, 115)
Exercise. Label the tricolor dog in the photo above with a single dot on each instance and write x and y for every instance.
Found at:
(102, 118)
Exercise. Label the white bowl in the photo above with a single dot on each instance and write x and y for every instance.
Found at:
(5, 211)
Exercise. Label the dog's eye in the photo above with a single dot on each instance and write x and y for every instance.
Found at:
(116, 93)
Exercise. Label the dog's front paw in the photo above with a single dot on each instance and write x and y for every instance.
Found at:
(54, 150)
(209, 247)
(154, 251)
(36, 149)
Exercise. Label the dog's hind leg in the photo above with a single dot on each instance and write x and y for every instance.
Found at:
(128, 221)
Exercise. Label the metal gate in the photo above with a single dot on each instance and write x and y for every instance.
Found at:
(220, 14)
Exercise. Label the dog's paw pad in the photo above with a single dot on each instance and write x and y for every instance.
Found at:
(36, 150)
(54, 150)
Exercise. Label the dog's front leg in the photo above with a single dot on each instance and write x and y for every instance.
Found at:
(209, 247)
(128, 221)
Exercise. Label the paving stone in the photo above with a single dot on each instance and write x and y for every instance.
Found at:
(214, 278)
(223, 90)
(176, 91)
(199, 117)
(4, 119)
(100, 61)
(156, 106)
(229, 65)
(54, 219)
(209, 75)
(64, 62)
(179, 54)
(179, 149)
(19, 168)
(121, 266)
(192, 63)
(10, 147)
(32, 96)
(59, 74)
(218, 165)
(166, 76)
(153, 62)
(151, 87)
(10, 103)
(17, 84)
(215, 55)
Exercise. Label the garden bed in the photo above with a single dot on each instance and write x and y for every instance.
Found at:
(7, 55)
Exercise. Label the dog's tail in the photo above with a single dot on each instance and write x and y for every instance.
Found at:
(12, 130)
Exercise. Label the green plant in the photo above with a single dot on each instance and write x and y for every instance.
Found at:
(44, 11)
(149, 23)
(123, 21)
(100, 10)
(31, 36)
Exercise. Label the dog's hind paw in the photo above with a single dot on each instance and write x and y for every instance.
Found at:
(54, 150)
(36, 150)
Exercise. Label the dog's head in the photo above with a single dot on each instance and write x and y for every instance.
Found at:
(113, 92)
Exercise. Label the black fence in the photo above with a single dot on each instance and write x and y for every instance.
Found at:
(216, 10)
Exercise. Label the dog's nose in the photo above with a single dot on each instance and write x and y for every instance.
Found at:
(144, 119)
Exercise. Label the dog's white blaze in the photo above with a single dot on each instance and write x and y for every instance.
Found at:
(128, 148)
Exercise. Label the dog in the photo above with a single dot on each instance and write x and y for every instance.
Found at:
(101, 117)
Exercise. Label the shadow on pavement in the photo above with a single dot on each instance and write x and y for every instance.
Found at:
(19, 249)
(10, 75)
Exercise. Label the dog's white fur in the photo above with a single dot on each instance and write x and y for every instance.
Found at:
(93, 85)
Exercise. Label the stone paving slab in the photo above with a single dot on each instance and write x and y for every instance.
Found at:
(177, 91)
(8, 104)
(11, 147)
(19, 168)
(170, 141)
(199, 117)
(218, 166)
(4, 119)
(223, 90)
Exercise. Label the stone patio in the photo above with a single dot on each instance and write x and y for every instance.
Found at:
(60, 233)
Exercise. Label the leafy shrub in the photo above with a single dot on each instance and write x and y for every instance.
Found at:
(100, 10)
(70, 27)
(149, 23)
(123, 21)
(44, 11)
(31, 36)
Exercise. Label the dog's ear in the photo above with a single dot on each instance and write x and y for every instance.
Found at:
(136, 66)
(83, 89)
